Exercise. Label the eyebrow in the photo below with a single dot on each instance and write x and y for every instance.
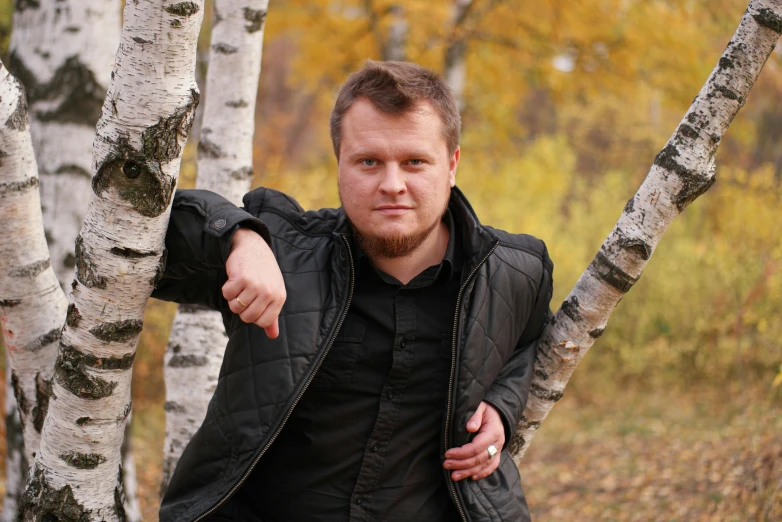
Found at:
(412, 154)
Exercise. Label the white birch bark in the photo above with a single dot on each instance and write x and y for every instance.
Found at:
(681, 172)
(198, 338)
(63, 51)
(15, 463)
(395, 48)
(32, 304)
(455, 69)
(144, 123)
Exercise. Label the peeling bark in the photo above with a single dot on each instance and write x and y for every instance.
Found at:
(681, 172)
(15, 463)
(33, 304)
(144, 123)
(198, 339)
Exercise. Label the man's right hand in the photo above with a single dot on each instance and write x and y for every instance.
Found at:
(255, 289)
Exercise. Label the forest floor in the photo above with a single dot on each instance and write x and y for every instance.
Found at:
(708, 453)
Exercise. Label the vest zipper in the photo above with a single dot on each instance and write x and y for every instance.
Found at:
(301, 393)
(449, 405)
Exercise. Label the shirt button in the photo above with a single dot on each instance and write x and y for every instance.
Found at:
(359, 500)
(374, 448)
(403, 343)
(389, 395)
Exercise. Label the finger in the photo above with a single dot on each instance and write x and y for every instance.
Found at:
(255, 306)
(489, 468)
(474, 422)
(231, 289)
(478, 444)
(273, 331)
(479, 470)
(479, 457)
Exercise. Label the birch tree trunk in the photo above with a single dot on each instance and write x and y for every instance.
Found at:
(455, 70)
(198, 338)
(120, 253)
(396, 44)
(32, 304)
(62, 51)
(15, 463)
(681, 172)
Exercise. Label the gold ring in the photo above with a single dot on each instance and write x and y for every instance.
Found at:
(492, 451)
(241, 303)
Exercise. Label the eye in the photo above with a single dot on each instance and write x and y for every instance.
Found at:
(416, 162)
(369, 162)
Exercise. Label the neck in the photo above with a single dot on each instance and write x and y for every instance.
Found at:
(430, 252)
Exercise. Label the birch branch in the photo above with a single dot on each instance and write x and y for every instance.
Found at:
(145, 120)
(681, 172)
(225, 152)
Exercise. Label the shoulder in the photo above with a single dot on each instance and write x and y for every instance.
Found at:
(524, 253)
(283, 214)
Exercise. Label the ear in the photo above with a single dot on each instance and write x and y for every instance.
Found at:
(453, 164)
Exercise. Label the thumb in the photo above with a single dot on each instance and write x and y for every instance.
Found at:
(273, 330)
(474, 423)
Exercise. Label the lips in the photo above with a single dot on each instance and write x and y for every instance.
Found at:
(392, 210)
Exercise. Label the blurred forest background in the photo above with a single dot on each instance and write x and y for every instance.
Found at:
(674, 415)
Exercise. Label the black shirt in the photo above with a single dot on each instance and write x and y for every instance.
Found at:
(364, 441)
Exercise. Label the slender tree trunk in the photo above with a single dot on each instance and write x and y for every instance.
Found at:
(120, 254)
(455, 70)
(32, 304)
(15, 463)
(198, 338)
(62, 51)
(396, 44)
(681, 172)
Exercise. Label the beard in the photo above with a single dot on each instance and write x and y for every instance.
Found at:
(389, 247)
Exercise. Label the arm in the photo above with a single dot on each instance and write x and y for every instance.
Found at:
(499, 412)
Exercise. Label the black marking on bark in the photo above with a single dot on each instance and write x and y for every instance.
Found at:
(43, 391)
(73, 316)
(174, 407)
(176, 22)
(21, 400)
(70, 370)
(18, 186)
(31, 270)
(726, 63)
(44, 340)
(639, 247)
(176, 348)
(130, 253)
(9, 303)
(73, 29)
(222, 48)
(608, 272)
(69, 261)
(125, 412)
(715, 138)
(85, 268)
(242, 174)
(159, 269)
(630, 206)
(570, 309)
(597, 332)
(118, 332)
(182, 9)
(187, 361)
(540, 373)
(131, 169)
(42, 502)
(162, 140)
(525, 423)
(140, 40)
(768, 18)
(208, 149)
(236, 104)
(119, 498)
(255, 19)
(687, 131)
(83, 421)
(83, 460)
(18, 119)
(544, 394)
(666, 159)
(21, 5)
(73, 169)
(516, 443)
(78, 94)
(4, 154)
(192, 308)
(693, 184)
(727, 93)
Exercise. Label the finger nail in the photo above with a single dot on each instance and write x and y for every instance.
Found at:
(475, 477)
(457, 476)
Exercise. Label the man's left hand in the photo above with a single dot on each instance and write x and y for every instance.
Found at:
(472, 460)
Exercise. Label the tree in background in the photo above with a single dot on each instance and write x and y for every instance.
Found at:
(197, 342)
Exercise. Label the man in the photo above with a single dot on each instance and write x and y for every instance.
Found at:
(380, 354)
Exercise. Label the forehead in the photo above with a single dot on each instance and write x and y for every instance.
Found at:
(364, 124)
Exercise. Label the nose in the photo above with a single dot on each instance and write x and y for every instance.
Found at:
(393, 181)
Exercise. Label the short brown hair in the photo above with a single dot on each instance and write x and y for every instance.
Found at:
(395, 88)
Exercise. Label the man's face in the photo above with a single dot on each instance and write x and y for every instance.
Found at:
(395, 176)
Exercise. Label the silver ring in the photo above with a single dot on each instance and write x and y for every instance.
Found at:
(492, 451)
